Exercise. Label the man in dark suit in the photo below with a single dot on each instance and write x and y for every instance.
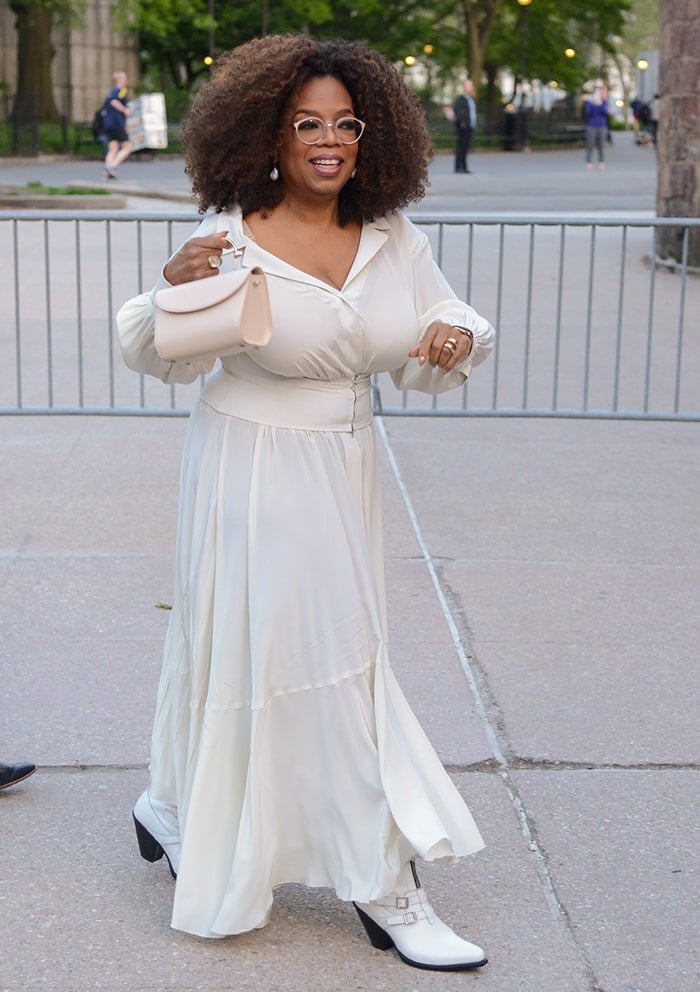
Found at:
(464, 110)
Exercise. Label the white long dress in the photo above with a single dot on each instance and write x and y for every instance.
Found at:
(281, 737)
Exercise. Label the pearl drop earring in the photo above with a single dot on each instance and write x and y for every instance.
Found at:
(274, 173)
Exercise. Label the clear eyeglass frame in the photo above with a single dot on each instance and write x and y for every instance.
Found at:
(343, 128)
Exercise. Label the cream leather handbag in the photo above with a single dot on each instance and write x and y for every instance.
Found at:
(209, 318)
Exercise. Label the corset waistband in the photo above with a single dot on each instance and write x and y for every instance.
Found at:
(297, 404)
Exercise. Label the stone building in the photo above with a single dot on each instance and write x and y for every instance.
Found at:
(83, 65)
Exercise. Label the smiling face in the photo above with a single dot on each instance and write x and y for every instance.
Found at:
(313, 172)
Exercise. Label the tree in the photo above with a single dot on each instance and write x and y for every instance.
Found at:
(641, 29)
(479, 18)
(175, 35)
(34, 20)
(639, 34)
(553, 26)
(459, 34)
(678, 177)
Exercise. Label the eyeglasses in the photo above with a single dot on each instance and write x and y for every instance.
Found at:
(312, 130)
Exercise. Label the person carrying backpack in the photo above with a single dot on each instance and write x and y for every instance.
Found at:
(116, 111)
(97, 127)
(652, 116)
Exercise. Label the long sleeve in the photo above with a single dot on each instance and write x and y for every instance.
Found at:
(435, 300)
(136, 326)
(596, 114)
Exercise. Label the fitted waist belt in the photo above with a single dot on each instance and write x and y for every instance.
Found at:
(297, 404)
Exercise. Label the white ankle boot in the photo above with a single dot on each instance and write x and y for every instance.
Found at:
(157, 832)
(406, 920)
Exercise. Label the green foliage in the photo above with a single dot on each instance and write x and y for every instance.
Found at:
(642, 26)
(67, 13)
(641, 30)
(26, 140)
(176, 34)
(37, 187)
(159, 18)
(176, 103)
(551, 27)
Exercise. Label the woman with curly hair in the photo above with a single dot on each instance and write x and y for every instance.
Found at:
(283, 749)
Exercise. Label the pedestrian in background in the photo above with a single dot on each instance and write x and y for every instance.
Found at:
(283, 749)
(595, 110)
(654, 117)
(636, 107)
(464, 111)
(116, 112)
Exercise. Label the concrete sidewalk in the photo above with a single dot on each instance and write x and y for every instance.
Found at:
(565, 557)
(500, 183)
(543, 591)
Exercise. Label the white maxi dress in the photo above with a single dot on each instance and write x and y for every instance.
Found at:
(281, 738)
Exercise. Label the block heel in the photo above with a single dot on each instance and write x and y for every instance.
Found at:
(378, 938)
(406, 921)
(149, 847)
(157, 832)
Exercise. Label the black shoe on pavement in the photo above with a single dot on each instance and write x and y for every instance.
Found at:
(11, 774)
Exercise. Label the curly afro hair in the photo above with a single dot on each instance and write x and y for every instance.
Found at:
(235, 122)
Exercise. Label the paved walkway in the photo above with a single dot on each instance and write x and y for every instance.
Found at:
(501, 182)
(543, 588)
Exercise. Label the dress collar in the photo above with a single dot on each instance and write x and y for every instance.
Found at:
(372, 239)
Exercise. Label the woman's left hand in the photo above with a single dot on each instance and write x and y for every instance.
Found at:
(443, 345)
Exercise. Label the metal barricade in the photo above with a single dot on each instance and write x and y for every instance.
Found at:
(590, 323)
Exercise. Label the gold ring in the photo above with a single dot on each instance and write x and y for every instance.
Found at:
(214, 261)
(451, 345)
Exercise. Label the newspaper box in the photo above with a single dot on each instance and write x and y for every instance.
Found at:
(146, 125)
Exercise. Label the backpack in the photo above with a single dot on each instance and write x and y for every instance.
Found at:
(645, 113)
(97, 125)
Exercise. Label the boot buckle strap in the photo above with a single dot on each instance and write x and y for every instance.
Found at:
(402, 902)
(411, 916)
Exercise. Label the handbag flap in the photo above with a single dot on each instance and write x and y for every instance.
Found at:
(200, 294)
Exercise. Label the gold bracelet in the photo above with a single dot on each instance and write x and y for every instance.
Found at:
(470, 333)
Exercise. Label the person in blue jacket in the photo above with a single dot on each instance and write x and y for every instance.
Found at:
(595, 110)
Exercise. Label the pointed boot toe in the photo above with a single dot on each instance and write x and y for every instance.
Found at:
(409, 923)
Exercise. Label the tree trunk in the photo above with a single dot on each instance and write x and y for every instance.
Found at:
(479, 17)
(494, 103)
(678, 182)
(34, 100)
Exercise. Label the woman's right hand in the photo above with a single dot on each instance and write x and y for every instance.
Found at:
(197, 259)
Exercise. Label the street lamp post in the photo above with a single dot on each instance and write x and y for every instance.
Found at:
(642, 66)
(523, 138)
(212, 42)
(428, 50)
